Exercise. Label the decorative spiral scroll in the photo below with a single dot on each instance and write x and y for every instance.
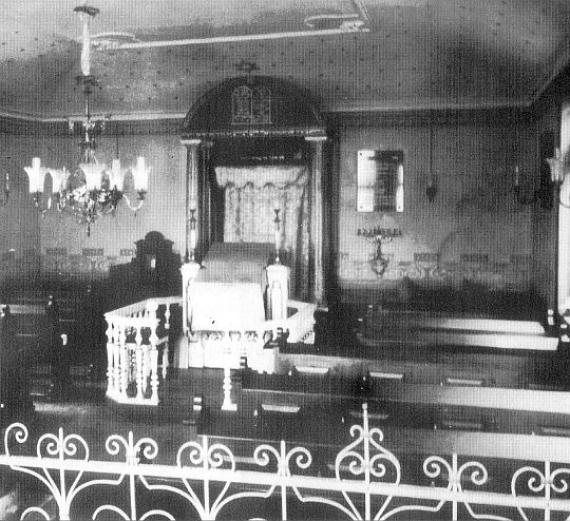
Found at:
(558, 484)
(303, 459)
(536, 482)
(190, 453)
(478, 476)
(195, 454)
(146, 447)
(58, 446)
(19, 432)
(378, 462)
(216, 455)
(262, 453)
(365, 456)
(539, 481)
(433, 468)
(204, 474)
(355, 462)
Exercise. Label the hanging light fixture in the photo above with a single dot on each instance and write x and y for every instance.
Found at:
(92, 189)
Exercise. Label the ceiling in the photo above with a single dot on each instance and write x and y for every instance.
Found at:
(350, 55)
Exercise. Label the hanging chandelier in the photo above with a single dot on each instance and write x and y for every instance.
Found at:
(92, 189)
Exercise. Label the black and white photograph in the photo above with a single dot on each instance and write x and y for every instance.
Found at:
(285, 260)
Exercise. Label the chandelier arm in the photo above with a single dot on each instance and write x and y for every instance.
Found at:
(131, 207)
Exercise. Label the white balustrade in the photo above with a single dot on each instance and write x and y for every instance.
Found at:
(138, 350)
(365, 480)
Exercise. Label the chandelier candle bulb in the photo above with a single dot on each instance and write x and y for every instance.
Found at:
(116, 176)
(59, 180)
(140, 175)
(93, 175)
(36, 175)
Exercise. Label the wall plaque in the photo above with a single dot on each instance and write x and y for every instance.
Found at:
(380, 181)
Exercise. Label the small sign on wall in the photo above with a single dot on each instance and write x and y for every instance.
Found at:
(56, 251)
(92, 252)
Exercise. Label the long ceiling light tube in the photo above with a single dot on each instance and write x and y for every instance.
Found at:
(106, 42)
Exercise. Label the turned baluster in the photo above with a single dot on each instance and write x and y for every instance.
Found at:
(116, 353)
(124, 362)
(153, 321)
(110, 357)
(139, 364)
(167, 317)
(154, 376)
(229, 348)
(145, 367)
(166, 345)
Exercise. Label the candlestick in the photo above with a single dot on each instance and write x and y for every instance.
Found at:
(193, 235)
(277, 222)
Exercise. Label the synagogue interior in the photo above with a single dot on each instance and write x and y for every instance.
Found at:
(331, 233)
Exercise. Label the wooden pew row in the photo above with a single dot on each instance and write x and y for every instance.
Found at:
(451, 407)
(436, 365)
(501, 453)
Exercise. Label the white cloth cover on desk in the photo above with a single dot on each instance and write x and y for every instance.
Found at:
(236, 262)
(226, 306)
(228, 291)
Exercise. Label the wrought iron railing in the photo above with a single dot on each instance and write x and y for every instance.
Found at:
(209, 480)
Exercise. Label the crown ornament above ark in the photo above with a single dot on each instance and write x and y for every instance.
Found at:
(92, 188)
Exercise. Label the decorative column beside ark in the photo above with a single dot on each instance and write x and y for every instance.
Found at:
(192, 200)
(316, 247)
(191, 267)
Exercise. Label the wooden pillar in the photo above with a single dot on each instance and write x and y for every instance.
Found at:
(562, 281)
(205, 199)
(317, 219)
(192, 198)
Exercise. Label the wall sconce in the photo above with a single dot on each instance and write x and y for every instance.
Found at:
(558, 173)
(556, 164)
(431, 189)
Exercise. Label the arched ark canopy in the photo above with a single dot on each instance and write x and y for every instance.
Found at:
(253, 107)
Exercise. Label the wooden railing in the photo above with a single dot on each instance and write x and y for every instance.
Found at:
(138, 349)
